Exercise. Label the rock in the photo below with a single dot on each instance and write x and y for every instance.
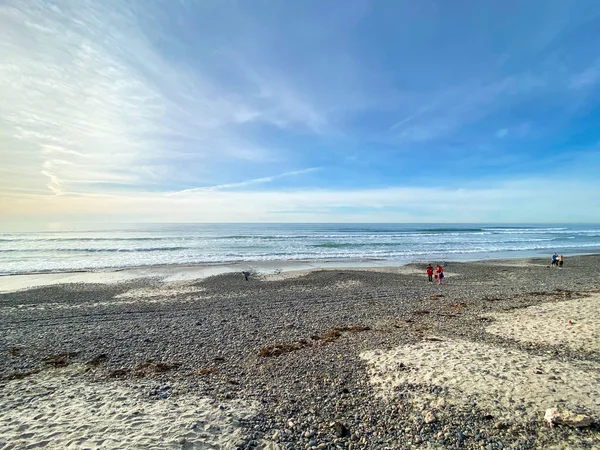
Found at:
(429, 417)
(500, 425)
(556, 417)
(265, 445)
(340, 429)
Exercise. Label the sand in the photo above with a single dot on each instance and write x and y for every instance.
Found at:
(161, 293)
(504, 348)
(61, 409)
(265, 270)
(504, 381)
(549, 324)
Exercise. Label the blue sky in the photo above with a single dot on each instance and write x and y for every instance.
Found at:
(401, 111)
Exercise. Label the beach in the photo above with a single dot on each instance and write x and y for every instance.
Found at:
(321, 357)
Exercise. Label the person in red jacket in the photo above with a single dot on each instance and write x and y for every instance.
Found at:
(430, 273)
(440, 274)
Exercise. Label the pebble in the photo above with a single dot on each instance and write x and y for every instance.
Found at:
(429, 417)
(305, 390)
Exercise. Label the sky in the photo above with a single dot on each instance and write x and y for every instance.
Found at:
(300, 111)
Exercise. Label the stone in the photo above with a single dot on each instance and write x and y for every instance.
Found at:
(500, 425)
(340, 429)
(557, 417)
(429, 417)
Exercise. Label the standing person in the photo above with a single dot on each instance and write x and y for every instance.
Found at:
(430, 273)
(554, 260)
(440, 274)
(560, 261)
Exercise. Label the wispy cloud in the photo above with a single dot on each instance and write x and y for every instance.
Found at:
(408, 119)
(520, 130)
(87, 99)
(508, 201)
(246, 183)
(585, 79)
(452, 108)
(501, 133)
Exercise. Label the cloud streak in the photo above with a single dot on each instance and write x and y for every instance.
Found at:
(585, 79)
(253, 182)
(511, 201)
(87, 99)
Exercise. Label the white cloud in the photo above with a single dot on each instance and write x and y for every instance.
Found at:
(87, 101)
(246, 183)
(515, 201)
(450, 109)
(585, 79)
(519, 130)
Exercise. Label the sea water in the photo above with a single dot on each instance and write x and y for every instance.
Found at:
(88, 248)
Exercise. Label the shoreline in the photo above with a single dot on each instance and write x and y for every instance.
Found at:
(172, 273)
(345, 358)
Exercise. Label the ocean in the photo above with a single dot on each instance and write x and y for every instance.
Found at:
(62, 249)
